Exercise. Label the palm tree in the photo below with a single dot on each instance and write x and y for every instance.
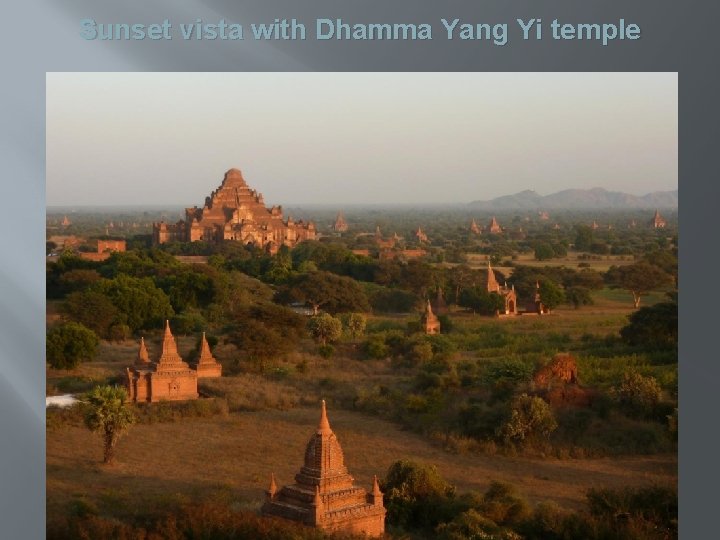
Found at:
(107, 413)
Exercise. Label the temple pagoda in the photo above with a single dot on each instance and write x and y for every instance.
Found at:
(474, 228)
(658, 222)
(430, 322)
(235, 212)
(340, 224)
(494, 227)
(420, 235)
(323, 495)
(207, 366)
(507, 293)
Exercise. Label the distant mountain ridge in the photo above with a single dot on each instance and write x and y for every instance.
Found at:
(571, 199)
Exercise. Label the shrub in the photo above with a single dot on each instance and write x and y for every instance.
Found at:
(375, 347)
(530, 418)
(636, 394)
(325, 328)
(70, 343)
(416, 496)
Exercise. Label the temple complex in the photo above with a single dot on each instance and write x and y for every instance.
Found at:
(508, 294)
(658, 222)
(323, 494)
(340, 224)
(385, 244)
(494, 227)
(474, 227)
(235, 212)
(420, 235)
(170, 378)
(430, 322)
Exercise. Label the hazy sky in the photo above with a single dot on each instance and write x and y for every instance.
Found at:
(167, 138)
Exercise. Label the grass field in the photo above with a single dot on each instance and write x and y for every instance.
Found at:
(600, 263)
(163, 464)
(272, 416)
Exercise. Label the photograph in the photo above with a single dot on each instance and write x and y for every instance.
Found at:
(400, 305)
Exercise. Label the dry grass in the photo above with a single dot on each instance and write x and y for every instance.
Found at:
(162, 464)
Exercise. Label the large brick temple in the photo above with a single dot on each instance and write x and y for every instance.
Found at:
(235, 212)
(323, 495)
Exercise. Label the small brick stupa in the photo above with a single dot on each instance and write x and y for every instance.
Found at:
(170, 378)
(324, 495)
(431, 324)
(207, 366)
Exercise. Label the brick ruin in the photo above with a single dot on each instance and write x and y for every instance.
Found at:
(557, 382)
(323, 494)
(170, 378)
(236, 212)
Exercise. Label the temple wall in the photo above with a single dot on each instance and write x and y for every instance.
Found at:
(173, 386)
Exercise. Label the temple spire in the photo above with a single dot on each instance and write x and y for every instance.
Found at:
(492, 284)
(169, 353)
(143, 357)
(272, 490)
(205, 353)
(324, 425)
(376, 487)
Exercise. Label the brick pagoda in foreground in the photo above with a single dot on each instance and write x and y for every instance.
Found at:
(323, 495)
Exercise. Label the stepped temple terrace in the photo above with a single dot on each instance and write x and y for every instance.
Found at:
(323, 495)
(170, 378)
(235, 212)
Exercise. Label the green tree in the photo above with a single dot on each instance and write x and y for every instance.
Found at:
(107, 413)
(416, 496)
(355, 324)
(578, 296)
(530, 418)
(333, 293)
(93, 310)
(68, 344)
(141, 303)
(264, 332)
(77, 279)
(551, 294)
(639, 279)
(637, 394)
(583, 238)
(481, 301)
(544, 251)
(653, 326)
(461, 277)
(325, 328)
